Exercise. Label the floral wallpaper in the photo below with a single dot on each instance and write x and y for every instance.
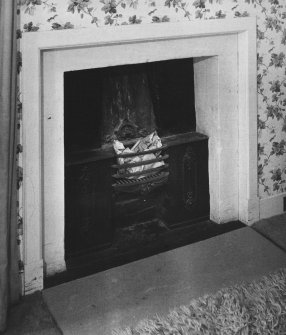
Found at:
(37, 15)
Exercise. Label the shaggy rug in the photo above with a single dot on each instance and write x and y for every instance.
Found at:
(249, 308)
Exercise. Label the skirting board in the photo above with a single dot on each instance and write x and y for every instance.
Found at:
(271, 206)
(33, 277)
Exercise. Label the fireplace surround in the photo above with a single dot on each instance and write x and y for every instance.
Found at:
(224, 56)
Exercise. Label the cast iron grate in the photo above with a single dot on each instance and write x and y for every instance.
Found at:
(141, 181)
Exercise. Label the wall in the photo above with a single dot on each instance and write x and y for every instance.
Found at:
(36, 15)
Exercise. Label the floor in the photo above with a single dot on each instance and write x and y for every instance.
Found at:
(31, 317)
(152, 285)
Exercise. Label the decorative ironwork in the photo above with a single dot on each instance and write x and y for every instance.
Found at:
(190, 174)
(143, 185)
(125, 129)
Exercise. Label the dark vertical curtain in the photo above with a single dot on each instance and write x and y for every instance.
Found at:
(9, 279)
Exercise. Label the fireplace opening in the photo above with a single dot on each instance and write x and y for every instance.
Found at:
(134, 99)
(106, 214)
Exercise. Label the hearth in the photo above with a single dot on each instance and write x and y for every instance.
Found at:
(106, 205)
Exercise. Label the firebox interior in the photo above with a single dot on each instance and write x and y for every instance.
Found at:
(147, 97)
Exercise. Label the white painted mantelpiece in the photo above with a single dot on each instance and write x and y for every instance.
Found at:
(224, 53)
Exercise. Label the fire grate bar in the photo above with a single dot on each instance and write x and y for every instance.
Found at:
(160, 176)
(145, 162)
(140, 173)
(142, 153)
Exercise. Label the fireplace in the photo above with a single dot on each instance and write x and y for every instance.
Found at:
(224, 64)
(156, 191)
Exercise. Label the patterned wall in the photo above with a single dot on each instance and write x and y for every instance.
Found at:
(36, 15)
